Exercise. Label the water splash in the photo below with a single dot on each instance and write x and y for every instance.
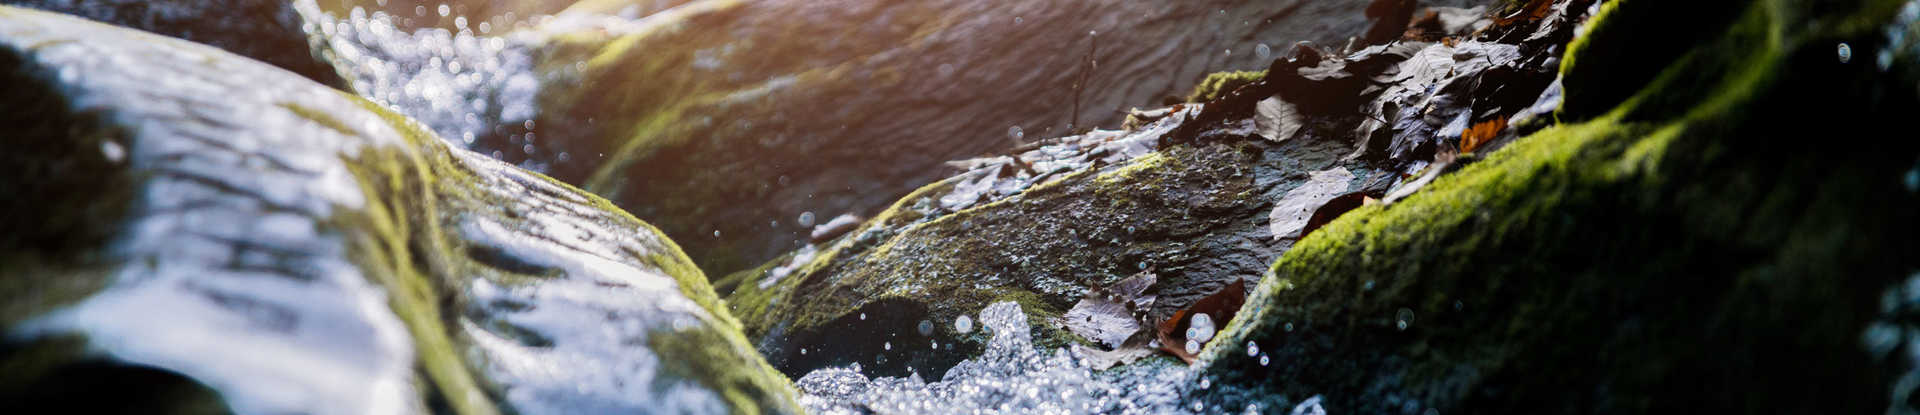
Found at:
(474, 90)
(1009, 377)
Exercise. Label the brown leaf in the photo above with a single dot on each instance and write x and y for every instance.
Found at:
(1533, 11)
(1220, 306)
(1482, 133)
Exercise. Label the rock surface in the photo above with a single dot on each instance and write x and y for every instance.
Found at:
(1203, 195)
(250, 240)
(266, 30)
(1677, 246)
(739, 116)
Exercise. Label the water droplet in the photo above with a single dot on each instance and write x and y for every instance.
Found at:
(528, 124)
(1403, 319)
(806, 218)
(964, 324)
(486, 27)
(803, 351)
(1252, 349)
(1019, 20)
(1846, 53)
(1016, 133)
(1193, 347)
(716, 232)
(1263, 360)
(1205, 383)
(1093, 33)
(420, 10)
(926, 328)
(112, 151)
(444, 10)
(1200, 328)
(863, 316)
(1199, 406)
(887, 346)
(936, 344)
(1263, 51)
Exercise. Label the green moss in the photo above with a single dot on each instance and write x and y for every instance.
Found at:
(318, 116)
(1672, 245)
(401, 181)
(1220, 83)
(721, 361)
(409, 241)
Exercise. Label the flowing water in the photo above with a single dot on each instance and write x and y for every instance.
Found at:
(476, 87)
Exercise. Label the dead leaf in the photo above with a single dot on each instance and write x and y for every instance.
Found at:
(1291, 214)
(1276, 120)
(1113, 315)
(1533, 11)
(1333, 209)
(1481, 134)
(1221, 307)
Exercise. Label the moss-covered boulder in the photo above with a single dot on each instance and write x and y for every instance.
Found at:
(1201, 196)
(238, 237)
(723, 121)
(265, 30)
(1712, 230)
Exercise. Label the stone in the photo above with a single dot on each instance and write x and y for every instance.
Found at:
(229, 228)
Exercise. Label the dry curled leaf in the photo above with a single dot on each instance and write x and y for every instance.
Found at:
(1220, 307)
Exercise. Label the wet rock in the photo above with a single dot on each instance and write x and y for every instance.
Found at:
(251, 240)
(1657, 253)
(266, 30)
(1074, 216)
(1197, 194)
(729, 114)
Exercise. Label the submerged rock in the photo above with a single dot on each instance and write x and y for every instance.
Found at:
(728, 115)
(1679, 246)
(249, 240)
(266, 30)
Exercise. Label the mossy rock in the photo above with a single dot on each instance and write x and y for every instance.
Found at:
(233, 232)
(1197, 216)
(1686, 247)
(267, 30)
(723, 121)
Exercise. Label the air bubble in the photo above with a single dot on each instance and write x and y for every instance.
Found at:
(1846, 53)
(1252, 349)
(1403, 319)
(1016, 133)
(926, 328)
(806, 218)
(964, 324)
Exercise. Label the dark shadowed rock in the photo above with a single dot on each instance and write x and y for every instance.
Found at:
(248, 239)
